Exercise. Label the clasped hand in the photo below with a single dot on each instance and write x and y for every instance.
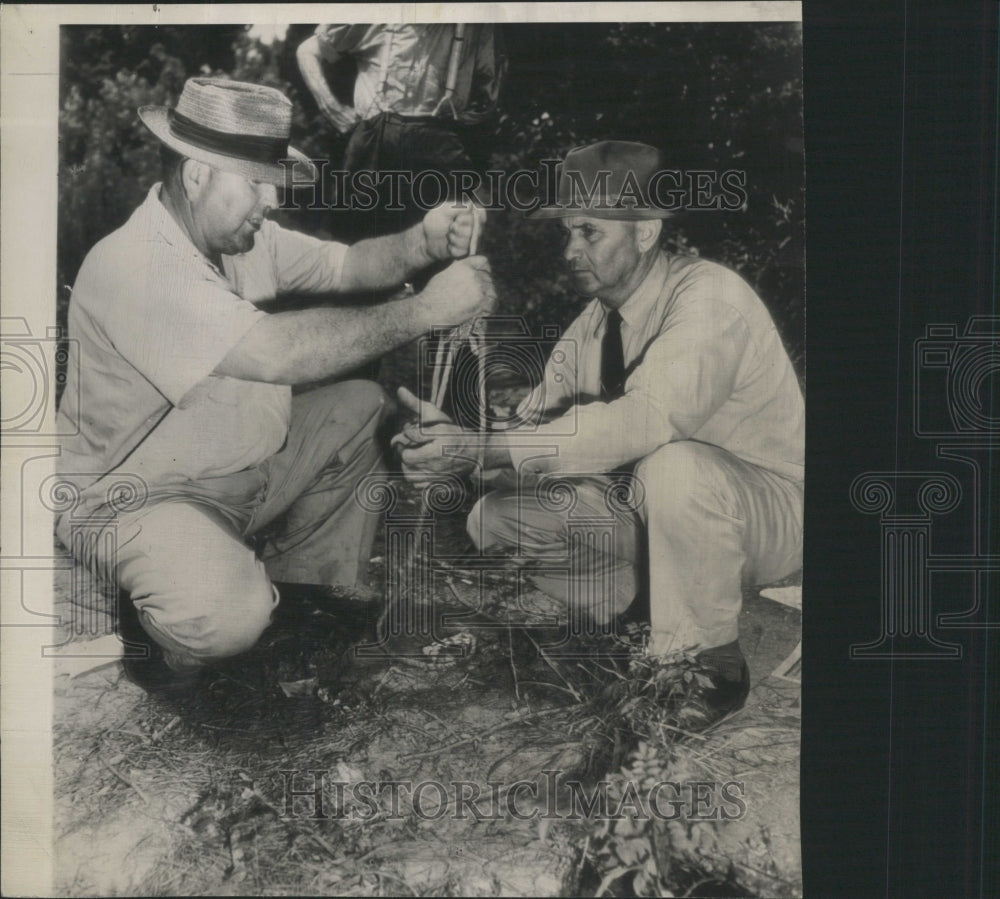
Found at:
(448, 229)
(433, 444)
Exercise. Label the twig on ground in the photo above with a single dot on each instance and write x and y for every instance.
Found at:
(125, 780)
(413, 727)
(451, 586)
(442, 722)
(545, 658)
(548, 686)
(513, 666)
(583, 859)
(169, 726)
(385, 850)
(380, 873)
(680, 730)
(475, 738)
(226, 676)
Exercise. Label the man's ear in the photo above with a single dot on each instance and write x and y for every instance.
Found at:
(647, 233)
(195, 176)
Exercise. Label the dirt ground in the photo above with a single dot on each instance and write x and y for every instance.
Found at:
(198, 796)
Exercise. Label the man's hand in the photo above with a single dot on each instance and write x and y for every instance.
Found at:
(421, 444)
(448, 229)
(310, 59)
(342, 117)
(445, 449)
(462, 291)
(427, 414)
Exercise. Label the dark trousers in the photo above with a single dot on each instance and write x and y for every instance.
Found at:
(389, 142)
(414, 145)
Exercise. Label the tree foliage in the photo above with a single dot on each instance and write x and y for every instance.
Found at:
(712, 97)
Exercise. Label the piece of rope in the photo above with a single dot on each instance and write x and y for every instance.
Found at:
(445, 357)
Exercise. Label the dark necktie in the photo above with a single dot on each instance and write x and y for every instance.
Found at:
(612, 359)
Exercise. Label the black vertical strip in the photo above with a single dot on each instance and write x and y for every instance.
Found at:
(900, 771)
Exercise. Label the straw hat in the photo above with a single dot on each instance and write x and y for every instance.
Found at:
(232, 126)
(610, 180)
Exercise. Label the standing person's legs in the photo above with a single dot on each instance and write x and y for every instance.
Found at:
(714, 523)
(587, 556)
(362, 154)
(315, 530)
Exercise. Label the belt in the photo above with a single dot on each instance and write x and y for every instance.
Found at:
(400, 119)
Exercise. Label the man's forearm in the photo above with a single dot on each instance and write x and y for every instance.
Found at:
(311, 67)
(383, 262)
(298, 347)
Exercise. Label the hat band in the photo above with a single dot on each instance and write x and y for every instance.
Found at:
(269, 150)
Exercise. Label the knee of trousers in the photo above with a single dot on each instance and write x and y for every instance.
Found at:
(216, 618)
(356, 399)
(365, 396)
(493, 520)
(683, 479)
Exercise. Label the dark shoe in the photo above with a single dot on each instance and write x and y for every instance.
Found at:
(156, 677)
(149, 671)
(720, 687)
(687, 692)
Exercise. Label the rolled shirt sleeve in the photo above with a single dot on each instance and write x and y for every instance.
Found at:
(152, 311)
(155, 332)
(304, 264)
(337, 39)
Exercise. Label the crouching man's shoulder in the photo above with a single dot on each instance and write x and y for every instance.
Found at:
(713, 284)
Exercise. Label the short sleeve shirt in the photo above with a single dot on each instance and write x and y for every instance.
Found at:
(150, 319)
(404, 68)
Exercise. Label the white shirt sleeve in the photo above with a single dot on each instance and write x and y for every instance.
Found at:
(686, 374)
(302, 263)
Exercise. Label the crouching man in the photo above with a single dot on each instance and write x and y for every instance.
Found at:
(181, 386)
(673, 375)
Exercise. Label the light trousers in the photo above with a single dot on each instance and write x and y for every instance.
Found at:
(201, 591)
(703, 524)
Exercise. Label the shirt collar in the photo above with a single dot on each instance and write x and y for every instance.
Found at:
(161, 222)
(637, 307)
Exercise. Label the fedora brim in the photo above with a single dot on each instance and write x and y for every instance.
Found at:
(599, 212)
(156, 119)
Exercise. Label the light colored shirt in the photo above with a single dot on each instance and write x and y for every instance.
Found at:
(705, 361)
(149, 320)
(404, 68)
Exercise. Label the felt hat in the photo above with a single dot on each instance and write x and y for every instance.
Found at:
(233, 126)
(608, 180)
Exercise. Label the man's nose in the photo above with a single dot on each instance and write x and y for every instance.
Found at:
(267, 198)
(572, 249)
